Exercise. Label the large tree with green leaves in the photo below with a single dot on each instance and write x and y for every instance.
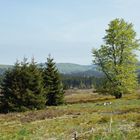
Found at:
(117, 58)
(53, 84)
(23, 88)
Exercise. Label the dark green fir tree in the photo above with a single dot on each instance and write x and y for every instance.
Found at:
(53, 84)
(23, 88)
(33, 86)
(10, 89)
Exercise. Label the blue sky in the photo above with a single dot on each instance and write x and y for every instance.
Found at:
(67, 29)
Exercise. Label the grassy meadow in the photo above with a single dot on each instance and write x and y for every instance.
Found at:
(84, 115)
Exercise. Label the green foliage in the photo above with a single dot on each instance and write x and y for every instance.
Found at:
(23, 88)
(117, 58)
(1, 79)
(53, 85)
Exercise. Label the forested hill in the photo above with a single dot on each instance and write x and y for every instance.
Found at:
(3, 68)
(67, 68)
(70, 68)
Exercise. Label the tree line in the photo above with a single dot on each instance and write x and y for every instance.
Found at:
(27, 86)
(71, 81)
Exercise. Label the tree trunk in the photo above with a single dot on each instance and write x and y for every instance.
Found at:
(118, 95)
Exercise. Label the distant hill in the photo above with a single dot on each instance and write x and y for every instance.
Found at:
(67, 68)
(3, 68)
(78, 70)
(70, 69)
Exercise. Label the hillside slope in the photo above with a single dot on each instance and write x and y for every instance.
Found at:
(66, 68)
(3, 68)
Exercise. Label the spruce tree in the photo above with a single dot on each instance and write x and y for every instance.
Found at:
(53, 85)
(23, 88)
(10, 89)
(33, 88)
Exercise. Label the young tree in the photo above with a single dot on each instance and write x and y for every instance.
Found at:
(53, 85)
(117, 58)
(23, 88)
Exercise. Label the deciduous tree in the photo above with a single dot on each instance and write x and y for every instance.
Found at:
(117, 58)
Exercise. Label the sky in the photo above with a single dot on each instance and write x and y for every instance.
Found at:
(66, 29)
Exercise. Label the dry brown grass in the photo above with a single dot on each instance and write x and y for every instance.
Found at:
(84, 96)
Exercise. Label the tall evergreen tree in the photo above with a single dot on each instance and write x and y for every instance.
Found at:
(34, 88)
(53, 85)
(10, 89)
(23, 88)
